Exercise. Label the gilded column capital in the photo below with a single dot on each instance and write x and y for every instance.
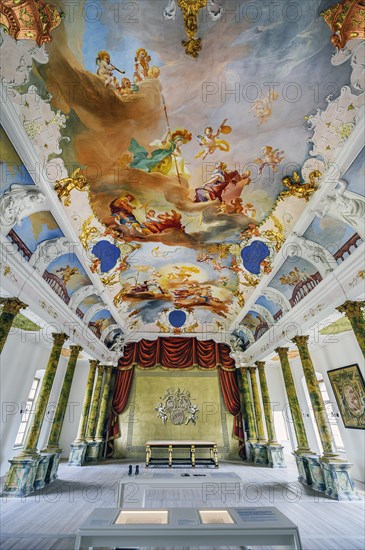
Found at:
(12, 305)
(301, 341)
(59, 338)
(94, 362)
(75, 350)
(260, 364)
(282, 352)
(252, 368)
(243, 369)
(352, 309)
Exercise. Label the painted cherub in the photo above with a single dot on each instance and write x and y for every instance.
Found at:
(269, 157)
(141, 65)
(249, 210)
(125, 89)
(67, 272)
(210, 141)
(105, 68)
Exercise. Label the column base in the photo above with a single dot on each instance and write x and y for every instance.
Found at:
(258, 452)
(316, 473)
(309, 470)
(92, 451)
(339, 482)
(77, 454)
(43, 466)
(54, 461)
(20, 477)
(101, 456)
(275, 456)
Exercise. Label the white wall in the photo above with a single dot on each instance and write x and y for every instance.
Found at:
(23, 355)
(339, 351)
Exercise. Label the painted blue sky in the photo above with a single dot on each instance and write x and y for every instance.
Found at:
(268, 304)
(88, 302)
(32, 236)
(285, 269)
(78, 280)
(103, 314)
(15, 174)
(329, 232)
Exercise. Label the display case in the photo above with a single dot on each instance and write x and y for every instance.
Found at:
(142, 517)
(215, 516)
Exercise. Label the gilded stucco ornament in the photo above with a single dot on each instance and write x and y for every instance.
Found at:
(190, 10)
(347, 21)
(29, 19)
(64, 186)
(299, 189)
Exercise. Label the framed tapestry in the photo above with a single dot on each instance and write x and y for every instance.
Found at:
(349, 389)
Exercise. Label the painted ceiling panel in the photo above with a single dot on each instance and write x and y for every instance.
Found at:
(183, 177)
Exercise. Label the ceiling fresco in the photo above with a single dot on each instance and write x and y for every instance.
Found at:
(184, 177)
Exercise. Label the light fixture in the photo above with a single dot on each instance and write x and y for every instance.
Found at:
(190, 10)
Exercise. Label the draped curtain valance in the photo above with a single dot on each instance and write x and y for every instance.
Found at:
(177, 354)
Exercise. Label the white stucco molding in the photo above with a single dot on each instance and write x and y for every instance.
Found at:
(80, 295)
(314, 253)
(49, 250)
(265, 314)
(278, 298)
(92, 311)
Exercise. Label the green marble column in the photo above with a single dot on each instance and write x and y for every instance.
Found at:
(30, 445)
(267, 404)
(354, 313)
(11, 308)
(95, 403)
(103, 404)
(59, 415)
(299, 428)
(250, 417)
(257, 405)
(275, 452)
(80, 438)
(315, 397)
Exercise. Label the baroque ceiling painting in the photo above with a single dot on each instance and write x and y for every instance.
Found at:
(183, 171)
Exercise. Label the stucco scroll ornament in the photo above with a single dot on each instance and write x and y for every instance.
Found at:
(18, 202)
(349, 208)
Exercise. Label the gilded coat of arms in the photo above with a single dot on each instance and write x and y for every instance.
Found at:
(176, 407)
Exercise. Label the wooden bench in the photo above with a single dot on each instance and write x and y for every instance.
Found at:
(192, 446)
(187, 527)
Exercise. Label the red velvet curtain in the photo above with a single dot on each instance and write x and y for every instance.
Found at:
(177, 353)
(122, 388)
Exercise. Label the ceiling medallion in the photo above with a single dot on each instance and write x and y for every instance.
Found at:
(190, 10)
